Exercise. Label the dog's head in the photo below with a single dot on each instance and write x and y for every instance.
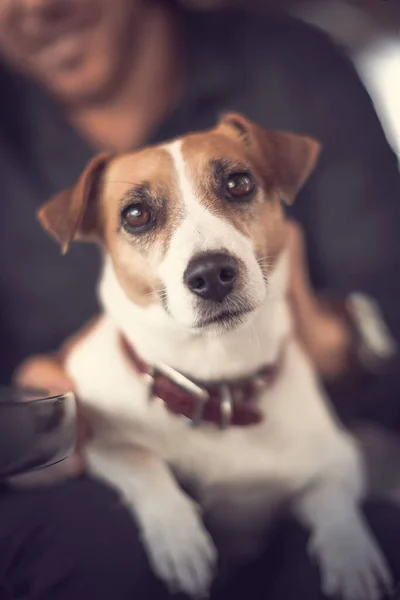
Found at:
(194, 226)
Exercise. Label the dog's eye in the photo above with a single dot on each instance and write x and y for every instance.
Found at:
(239, 186)
(136, 217)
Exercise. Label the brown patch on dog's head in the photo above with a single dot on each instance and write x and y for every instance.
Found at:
(91, 210)
(73, 212)
(279, 163)
(147, 177)
(285, 160)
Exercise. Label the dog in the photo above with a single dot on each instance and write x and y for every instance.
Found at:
(193, 377)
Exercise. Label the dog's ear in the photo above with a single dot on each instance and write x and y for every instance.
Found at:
(72, 213)
(285, 159)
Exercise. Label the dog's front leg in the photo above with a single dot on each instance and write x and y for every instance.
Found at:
(351, 563)
(179, 548)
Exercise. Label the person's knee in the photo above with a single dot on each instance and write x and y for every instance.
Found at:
(89, 520)
(384, 520)
(75, 540)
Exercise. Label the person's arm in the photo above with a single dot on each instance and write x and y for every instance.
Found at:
(47, 372)
(322, 331)
(350, 209)
(43, 372)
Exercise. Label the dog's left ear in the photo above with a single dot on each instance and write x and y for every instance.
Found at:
(73, 212)
(285, 159)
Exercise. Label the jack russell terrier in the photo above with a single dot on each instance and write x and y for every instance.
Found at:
(193, 376)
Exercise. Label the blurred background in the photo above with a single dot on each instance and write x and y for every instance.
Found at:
(87, 76)
(369, 30)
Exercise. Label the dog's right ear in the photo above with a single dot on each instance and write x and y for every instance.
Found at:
(72, 213)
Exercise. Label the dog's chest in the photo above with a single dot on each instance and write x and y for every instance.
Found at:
(284, 448)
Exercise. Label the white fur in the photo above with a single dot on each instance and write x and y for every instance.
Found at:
(201, 231)
(240, 476)
(158, 338)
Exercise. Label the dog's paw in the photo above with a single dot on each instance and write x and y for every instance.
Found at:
(351, 563)
(180, 550)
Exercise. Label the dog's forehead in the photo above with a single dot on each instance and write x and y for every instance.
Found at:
(156, 165)
(201, 149)
(153, 166)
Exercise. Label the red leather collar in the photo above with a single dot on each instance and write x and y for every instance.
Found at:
(231, 402)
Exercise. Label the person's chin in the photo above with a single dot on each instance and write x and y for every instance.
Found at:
(78, 86)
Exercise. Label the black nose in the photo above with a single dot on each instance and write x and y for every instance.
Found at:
(211, 276)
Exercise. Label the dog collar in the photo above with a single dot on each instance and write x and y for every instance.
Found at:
(224, 403)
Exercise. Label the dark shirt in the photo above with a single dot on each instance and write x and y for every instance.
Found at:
(280, 73)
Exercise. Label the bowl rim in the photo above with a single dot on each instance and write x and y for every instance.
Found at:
(45, 396)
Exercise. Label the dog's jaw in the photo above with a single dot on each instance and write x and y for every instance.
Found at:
(158, 337)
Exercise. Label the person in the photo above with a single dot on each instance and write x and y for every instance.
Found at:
(82, 76)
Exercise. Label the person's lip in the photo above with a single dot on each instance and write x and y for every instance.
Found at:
(64, 49)
(61, 42)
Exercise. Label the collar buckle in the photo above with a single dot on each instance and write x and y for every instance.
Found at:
(199, 393)
(226, 406)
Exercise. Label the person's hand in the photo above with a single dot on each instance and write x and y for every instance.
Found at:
(47, 373)
(324, 334)
(44, 372)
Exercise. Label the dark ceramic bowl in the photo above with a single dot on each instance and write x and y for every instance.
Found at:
(36, 430)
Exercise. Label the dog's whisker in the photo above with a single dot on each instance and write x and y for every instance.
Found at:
(122, 181)
(161, 294)
(265, 260)
(268, 257)
(265, 263)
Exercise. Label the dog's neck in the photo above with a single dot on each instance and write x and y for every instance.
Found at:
(202, 355)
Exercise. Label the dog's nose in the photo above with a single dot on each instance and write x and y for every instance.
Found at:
(211, 276)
